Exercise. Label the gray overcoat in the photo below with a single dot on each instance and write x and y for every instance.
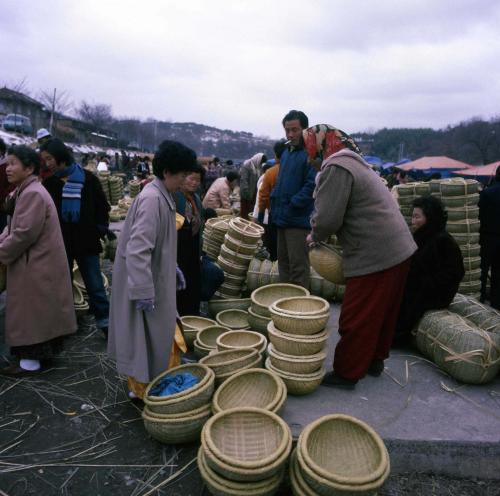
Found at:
(39, 294)
(144, 268)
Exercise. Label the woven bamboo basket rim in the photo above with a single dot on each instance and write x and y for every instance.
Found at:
(329, 256)
(228, 302)
(336, 486)
(178, 416)
(206, 336)
(224, 263)
(262, 301)
(236, 488)
(241, 378)
(296, 377)
(180, 419)
(246, 227)
(299, 317)
(271, 350)
(376, 474)
(227, 339)
(258, 315)
(300, 325)
(280, 305)
(255, 364)
(261, 348)
(78, 299)
(201, 351)
(238, 244)
(189, 321)
(299, 485)
(243, 318)
(208, 376)
(284, 443)
(225, 251)
(298, 338)
(229, 358)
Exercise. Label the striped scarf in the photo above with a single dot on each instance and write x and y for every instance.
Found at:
(72, 192)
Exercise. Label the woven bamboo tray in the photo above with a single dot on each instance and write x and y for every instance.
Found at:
(256, 364)
(231, 267)
(298, 384)
(326, 260)
(208, 337)
(296, 365)
(221, 486)
(233, 319)
(296, 344)
(245, 231)
(258, 322)
(184, 401)
(246, 443)
(328, 444)
(173, 431)
(216, 306)
(238, 247)
(463, 226)
(233, 340)
(200, 350)
(257, 388)
(223, 362)
(262, 298)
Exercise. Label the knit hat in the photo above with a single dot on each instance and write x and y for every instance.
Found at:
(42, 133)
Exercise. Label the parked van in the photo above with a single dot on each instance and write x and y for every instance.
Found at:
(18, 123)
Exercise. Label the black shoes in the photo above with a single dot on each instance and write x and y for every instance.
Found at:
(376, 367)
(333, 380)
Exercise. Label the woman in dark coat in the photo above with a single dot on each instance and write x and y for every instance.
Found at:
(436, 270)
(188, 204)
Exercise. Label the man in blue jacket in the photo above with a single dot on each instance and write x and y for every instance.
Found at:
(292, 203)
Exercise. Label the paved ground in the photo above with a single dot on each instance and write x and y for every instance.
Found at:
(72, 430)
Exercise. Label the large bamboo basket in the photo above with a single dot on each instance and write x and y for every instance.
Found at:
(256, 364)
(257, 388)
(480, 314)
(223, 362)
(233, 319)
(208, 336)
(192, 324)
(301, 305)
(184, 401)
(246, 443)
(326, 260)
(264, 278)
(298, 384)
(235, 340)
(231, 267)
(302, 325)
(221, 486)
(464, 213)
(184, 429)
(470, 250)
(458, 187)
(258, 322)
(472, 263)
(200, 350)
(471, 287)
(460, 201)
(235, 256)
(466, 238)
(463, 226)
(245, 231)
(298, 484)
(215, 306)
(238, 247)
(406, 201)
(229, 290)
(263, 297)
(295, 344)
(343, 450)
(296, 365)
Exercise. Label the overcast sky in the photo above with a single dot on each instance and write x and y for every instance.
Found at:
(242, 64)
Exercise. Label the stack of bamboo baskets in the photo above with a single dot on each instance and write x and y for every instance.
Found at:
(236, 252)
(298, 338)
(134, 188)
(115, 189)
(213, 235)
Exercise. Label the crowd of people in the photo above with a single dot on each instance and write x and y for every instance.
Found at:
(317, 185)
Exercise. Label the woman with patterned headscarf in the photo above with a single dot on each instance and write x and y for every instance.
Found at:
(352, 202)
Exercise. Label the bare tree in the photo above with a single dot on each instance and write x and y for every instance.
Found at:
(59, 101)
(98, 114)
(20, 86)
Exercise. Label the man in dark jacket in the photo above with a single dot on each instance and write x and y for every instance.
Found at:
(489, 215)
(83, 213)
(292, 203)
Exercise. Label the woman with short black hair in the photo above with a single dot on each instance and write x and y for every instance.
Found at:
(143, 299)
(39, 297)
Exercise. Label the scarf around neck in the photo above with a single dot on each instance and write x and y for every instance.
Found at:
(72, 192)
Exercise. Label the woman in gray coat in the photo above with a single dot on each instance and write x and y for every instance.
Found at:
(143, 298)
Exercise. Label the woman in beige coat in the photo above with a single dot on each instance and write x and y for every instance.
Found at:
(39, 296)
(143, 297)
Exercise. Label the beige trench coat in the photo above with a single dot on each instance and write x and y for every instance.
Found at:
(39, 294)
(145, 268)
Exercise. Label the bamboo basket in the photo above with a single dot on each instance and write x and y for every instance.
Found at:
(262, 298)
(233, 319)
(223, 211)
(264, 277)
(296, 365)
(238, 247)
(328, 444)
(208, 337)
(229, 290)
(464, 213)
(235, 340)
(326, 260)
(470, 250)
(216, 306)
(472, 263)
(245, 231)
(299, 325)
(231, 267)
(466, 238)
(257, 388)
(298, 384)
(295, 344)
(221, 486)
(460, 201)
(469, 287)
(463, 226)
(187, 400)
(298, 484)
(258, 322)
(184, 429)
(222, 362)
(235, 256)
(192, 324)
(301, 306)
(221, 378)
(200, 350)
(458, 187)
(483, 316)
(406, 201)
(246, 443)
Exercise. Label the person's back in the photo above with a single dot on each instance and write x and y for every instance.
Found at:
(489, 209)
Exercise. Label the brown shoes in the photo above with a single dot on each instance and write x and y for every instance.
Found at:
(15, 370)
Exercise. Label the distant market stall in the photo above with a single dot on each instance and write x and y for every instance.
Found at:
(430, 165)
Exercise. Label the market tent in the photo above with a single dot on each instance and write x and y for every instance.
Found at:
(429, 165)
(480, 171)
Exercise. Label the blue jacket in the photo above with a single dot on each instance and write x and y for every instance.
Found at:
(291, 199)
